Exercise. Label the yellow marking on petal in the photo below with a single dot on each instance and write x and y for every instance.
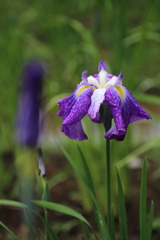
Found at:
(120, 91)
(81, 89)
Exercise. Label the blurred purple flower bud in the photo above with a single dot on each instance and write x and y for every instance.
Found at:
(27, 129)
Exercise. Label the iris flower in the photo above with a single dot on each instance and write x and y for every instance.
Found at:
(90, 94)
(28, 117)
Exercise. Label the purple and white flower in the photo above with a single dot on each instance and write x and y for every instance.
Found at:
(90, 94)
(28, 116)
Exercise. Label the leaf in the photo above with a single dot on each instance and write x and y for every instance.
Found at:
(72, 162)
(30, 227)
(3, 225)
(87, 171)
(85, 229)
(150, 221)
(91, 185)
(42, 236)
(102, 223)
(50, 231)
(122, 211)
(46, 193)
(13, 203)
(113, 232)
(60, 208)
(143, 190)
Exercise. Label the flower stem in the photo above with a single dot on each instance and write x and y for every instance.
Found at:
(108, 183)
(107, 121)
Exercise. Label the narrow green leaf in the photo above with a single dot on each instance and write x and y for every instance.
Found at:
(122, 211)
(50, 231)
(87, 171)
(72, 162)
(150, 221)
(21, 205)
(91, 185)
(143, 190)
(42, 236)
(30, 227)
(113, 235)
(46, 192)
(39, 184)
(85, 229)
(60, 208)
(13, 203)
(3, 225)
(102, 221)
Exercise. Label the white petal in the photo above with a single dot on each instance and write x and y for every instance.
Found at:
(113, 82)
(96, 101)
(93, 81)
(102, 77)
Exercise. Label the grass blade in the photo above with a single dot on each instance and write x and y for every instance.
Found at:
(103, 226)
(50, 231)
(30, 228)
(87, 171)
(85, 229)
(13, 203)
(42, 236)
(143, 190)
(3, 225)
(21, 205)
(60, 208)
(91, 185)
(122, 211)
(113, 236)
(150, 221)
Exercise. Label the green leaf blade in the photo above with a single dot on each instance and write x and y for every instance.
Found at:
(122, 211)
(3, 225)
(87, 171)
(150, 221)
(30, 227)
(103, 226)
(60, 208)
(143, 190)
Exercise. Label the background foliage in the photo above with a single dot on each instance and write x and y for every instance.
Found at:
(69, 37)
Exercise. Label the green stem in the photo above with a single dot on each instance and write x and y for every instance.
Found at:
(108, 184)
(107, 121)
(46, 218)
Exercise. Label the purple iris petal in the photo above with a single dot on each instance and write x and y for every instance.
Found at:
(80, 108)
(113, 99)
(102, 65)
(84, 76)
(73, 109)
(131, 109)
(29, 105)
(66, 105)
(124, 111)
(111, 75)
(74, 131)
(97, 119)
(113, 133)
